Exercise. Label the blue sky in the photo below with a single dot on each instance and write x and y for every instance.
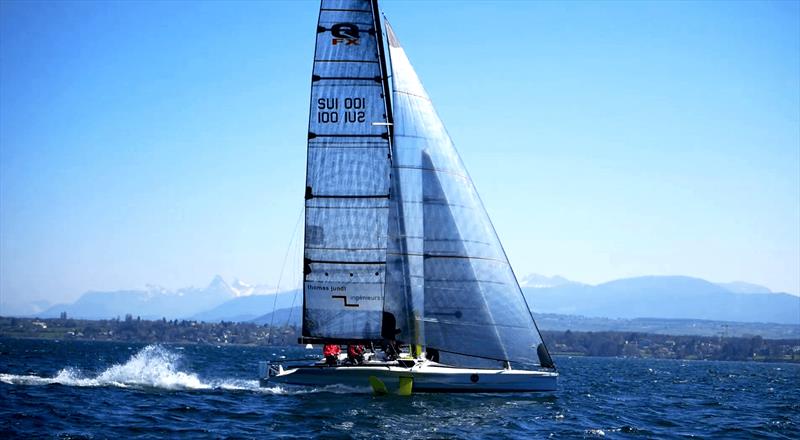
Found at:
(156, 142)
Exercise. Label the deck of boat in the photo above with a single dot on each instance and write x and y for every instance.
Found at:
(427, 376)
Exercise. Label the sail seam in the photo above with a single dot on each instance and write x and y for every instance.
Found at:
(413, 94)
(347, 61)
(315, 84)
(348, 207)
(473, 355)
(427, 202)
(349, 135)
(358, 23)
(448, 256)
(366, 196)
(372, 263)
(427, 318)
(354, 78)
(447, 239)
(344, 10)
(348, 147)
(346, 249)
(436, 170)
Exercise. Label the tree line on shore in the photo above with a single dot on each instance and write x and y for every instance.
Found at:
(576, 343)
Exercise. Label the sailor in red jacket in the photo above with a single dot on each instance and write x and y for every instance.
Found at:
(355, 354)
(331, 353)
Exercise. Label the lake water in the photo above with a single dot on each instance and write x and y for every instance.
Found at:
(103, 390)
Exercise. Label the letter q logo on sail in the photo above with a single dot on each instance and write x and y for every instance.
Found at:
(345, 33)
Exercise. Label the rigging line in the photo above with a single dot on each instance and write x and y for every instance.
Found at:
(310, 125)
(294, 277)
(280, 277)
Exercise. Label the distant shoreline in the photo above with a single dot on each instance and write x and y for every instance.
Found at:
(563, 343)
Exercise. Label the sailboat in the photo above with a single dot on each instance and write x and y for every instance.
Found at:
(399, 250)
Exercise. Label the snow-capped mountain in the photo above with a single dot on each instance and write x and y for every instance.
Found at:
(154, 302)
(240, 288)
(536, 281)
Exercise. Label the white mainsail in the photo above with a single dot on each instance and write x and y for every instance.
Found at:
(347, 177)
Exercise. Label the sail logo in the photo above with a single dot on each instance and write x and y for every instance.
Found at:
(356, 299)
(345, 296)
(345, 34)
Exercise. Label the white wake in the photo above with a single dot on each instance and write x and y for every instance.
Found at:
(156, 367)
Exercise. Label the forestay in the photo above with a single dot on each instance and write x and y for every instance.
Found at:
(459, 286)
(347, 177)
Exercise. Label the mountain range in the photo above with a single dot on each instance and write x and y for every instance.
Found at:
(249, 308)
(156, 302)
(667, 297)
(662, 297)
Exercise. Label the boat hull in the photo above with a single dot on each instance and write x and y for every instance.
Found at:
(427, 378)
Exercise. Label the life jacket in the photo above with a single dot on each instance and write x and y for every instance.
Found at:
(331, 350)
(355, 350)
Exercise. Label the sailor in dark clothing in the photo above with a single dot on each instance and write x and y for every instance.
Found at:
(432, 354)
(391, 349)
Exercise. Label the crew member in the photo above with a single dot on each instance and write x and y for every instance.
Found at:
(355, 354)
(331, 353)
(391, 349)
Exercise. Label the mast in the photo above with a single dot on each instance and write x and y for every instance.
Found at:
(387, 95)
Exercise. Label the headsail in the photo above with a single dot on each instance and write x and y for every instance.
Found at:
(347, 177)
(459, 285)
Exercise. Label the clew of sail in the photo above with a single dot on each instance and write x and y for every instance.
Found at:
(347, 178)
(461, 291)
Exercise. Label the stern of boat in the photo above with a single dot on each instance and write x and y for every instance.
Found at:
(268, 370)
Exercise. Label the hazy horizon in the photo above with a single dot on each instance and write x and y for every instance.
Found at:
(164, 143)
(15, 307)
